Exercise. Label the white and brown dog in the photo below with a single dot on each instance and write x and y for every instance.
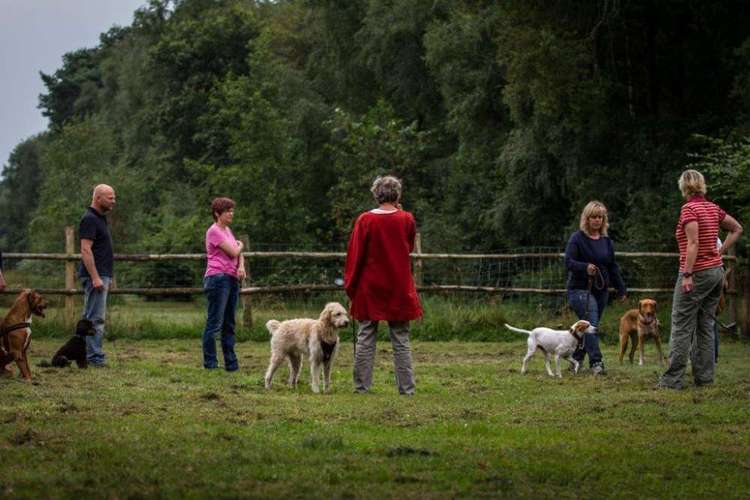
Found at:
(636, 326)
(561, 343)
(317, 338)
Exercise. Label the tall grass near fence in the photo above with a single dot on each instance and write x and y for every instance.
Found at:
(446, 318)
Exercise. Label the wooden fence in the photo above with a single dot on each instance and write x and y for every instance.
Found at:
(739, 307)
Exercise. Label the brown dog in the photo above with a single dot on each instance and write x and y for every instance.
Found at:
(636, 325)
(16, 330)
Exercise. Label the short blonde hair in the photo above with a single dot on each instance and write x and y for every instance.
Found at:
(692, 182)
(594, 208)
(386, 189)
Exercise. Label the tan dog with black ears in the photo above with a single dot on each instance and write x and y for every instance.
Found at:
(638, 324)
(16, 330)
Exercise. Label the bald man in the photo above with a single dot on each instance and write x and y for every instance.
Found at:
(97, 260)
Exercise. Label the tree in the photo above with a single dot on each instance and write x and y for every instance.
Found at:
(19, 192)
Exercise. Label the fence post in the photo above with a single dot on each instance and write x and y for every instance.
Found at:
(418, 262)
(70, 276)
(247, 305)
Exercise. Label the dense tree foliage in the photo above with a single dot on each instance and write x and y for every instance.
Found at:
(503, 118)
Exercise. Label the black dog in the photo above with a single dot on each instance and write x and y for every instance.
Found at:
(75, 348)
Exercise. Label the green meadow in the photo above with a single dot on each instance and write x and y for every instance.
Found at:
(154, 424)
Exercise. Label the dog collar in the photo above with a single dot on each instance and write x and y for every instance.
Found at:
(575, 335)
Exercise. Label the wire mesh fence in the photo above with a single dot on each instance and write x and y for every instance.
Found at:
(538, 270)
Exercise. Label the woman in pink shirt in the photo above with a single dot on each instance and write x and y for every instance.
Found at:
(225, 270)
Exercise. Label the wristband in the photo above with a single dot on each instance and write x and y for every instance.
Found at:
(687, 274)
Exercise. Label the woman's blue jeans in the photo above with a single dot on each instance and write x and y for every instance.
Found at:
(222, 292)
(597, 301)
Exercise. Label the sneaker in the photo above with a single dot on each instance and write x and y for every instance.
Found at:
(660, 386)
(598, 369)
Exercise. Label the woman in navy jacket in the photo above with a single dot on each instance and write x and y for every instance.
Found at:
(590, 256)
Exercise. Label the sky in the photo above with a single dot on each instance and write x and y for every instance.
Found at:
(34, 35)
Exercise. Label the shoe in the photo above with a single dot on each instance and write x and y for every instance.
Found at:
(598, 369)
(660, 386)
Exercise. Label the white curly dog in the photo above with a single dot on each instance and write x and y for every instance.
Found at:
(318, 338)
(560, 342)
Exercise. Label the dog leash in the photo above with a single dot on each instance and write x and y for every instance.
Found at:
(354, 345)
(594, 280)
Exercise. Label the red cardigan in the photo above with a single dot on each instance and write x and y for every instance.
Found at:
(377, 276)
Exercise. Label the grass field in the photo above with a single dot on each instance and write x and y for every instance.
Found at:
(155, 424)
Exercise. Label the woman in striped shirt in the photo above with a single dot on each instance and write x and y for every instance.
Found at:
(699, 283)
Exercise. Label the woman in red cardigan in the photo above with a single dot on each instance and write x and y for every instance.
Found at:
(379, 283)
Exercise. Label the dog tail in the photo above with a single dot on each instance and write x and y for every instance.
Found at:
(514, 329)
(272, 325)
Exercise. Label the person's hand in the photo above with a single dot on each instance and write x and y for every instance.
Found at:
(591, 269)
(241, 274)
(2, 282)
(624, 298)
(97, 283)
(687, 284)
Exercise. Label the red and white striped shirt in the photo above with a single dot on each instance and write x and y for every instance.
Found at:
(708, 216)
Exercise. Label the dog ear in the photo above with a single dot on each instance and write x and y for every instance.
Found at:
(325, 314)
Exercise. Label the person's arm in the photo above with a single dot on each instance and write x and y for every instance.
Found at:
(691, 254)
(230, 249)
(241, 273)
(87, 257)
(355, 257)
(733, 229)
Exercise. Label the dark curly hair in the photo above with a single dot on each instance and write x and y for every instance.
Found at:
(221, 205)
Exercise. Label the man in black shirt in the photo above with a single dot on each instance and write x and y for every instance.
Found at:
(96, 270)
